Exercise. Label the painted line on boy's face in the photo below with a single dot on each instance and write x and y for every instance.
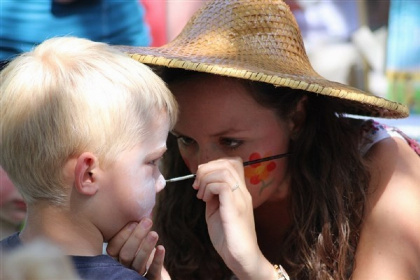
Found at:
(190, 176)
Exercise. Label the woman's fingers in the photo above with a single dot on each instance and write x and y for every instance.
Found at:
(223, 178)
(227, 172)
(229, 211)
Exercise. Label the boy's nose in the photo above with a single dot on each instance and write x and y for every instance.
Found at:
(160, 183)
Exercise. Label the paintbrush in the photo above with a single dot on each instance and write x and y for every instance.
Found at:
(246, 163)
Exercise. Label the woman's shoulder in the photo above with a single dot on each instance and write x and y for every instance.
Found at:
(395, 168)
(372, 132)
(395, 171)
(390, 236)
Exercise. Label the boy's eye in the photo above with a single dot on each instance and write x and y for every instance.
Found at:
(155, 162)
(230, 143)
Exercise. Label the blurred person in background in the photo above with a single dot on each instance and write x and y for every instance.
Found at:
(12, 206)
(25, 24)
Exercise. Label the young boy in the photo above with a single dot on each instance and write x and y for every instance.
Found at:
(82, 129)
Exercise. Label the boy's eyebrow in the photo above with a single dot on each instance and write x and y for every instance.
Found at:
(174, 132)
(158, 152)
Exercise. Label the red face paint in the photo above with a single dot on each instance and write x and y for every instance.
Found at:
(259, 172)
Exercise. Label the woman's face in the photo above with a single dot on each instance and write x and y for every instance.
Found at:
(219, 119)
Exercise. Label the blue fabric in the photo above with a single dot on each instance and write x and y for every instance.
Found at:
(26, 23)
(90, 268)
(103, 267)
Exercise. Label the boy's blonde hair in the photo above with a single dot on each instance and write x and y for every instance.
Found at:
(71, 95)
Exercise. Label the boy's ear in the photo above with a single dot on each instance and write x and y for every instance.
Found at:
(298, 117)
(85, 174)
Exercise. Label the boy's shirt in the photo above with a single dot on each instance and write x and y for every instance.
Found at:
(93, 268)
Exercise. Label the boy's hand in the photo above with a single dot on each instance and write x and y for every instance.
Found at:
(135, 247)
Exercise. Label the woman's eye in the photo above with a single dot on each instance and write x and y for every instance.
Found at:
(186, 141)
(231, 143)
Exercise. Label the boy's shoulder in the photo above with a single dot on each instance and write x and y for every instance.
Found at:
(92, 268)
(103, 267)
(10, 243)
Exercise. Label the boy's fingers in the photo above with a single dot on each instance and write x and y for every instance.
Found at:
(146, 253)
(165, 274)
(118, 241)
(156, 270)
(128, 252)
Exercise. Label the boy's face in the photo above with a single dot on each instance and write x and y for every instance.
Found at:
(129, 186)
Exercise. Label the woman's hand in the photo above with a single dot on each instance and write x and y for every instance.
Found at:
(135, 247)
(230, 218)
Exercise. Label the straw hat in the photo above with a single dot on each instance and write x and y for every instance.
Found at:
(257, 40)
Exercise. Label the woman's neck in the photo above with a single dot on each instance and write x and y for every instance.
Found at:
(272, 221)
(74, 235)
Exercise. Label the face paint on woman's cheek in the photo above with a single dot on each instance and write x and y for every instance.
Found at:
(259, 173)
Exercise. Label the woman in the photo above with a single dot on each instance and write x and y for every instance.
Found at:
(344, 201)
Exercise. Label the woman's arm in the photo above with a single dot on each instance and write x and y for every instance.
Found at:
(230, 219)
(389, 246)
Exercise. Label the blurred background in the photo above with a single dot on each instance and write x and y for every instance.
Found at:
(373, 45)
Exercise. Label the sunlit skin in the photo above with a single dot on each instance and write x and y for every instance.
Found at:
(209, 128)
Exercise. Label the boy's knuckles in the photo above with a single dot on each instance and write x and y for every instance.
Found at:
(126, 258)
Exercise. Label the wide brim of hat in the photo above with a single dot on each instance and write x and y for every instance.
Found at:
(257, 40)
(354, 101)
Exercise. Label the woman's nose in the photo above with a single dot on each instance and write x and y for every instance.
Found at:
(207, 155)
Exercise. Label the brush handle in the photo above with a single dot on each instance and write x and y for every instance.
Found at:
(246, 163)
(181, 178)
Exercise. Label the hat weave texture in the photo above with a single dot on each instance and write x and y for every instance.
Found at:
(257, 40)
